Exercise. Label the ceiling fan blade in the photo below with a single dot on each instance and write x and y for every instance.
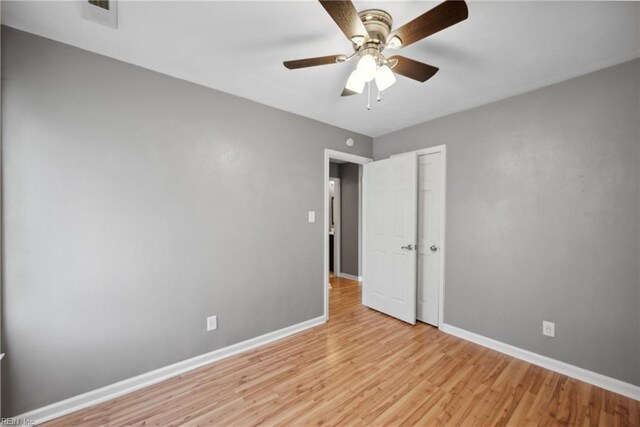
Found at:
(312, 62)
(440, 17)
(344, 13)
(413, 69)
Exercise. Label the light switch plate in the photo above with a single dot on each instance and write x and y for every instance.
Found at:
(312, 216)
(212, 323)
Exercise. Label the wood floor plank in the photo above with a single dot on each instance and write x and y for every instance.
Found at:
(363, 368)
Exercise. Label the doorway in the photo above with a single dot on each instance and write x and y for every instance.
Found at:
(401, 233)
(335, 212)
(342, 218)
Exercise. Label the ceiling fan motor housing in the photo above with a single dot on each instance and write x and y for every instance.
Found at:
(378, 24)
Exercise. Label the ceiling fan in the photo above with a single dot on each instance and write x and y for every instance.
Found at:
(370, 32)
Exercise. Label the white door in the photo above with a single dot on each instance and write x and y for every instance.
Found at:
(429, 231)
(390, 231)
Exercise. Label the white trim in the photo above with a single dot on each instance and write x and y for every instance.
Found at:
(328, 156)
(129, 385)
(423, 151)
(350, 276)
(442, 149)
(608, 383)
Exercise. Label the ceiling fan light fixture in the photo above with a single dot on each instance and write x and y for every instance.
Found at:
(384, 78)
(367, 67)
(355, 82)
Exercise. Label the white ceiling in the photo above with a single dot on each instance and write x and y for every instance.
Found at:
(504, 48)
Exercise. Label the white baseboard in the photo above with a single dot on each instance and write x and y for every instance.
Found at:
(608, 383)
(129, 385)
(350, 276)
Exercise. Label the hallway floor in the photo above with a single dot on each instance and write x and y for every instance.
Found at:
(365, 368)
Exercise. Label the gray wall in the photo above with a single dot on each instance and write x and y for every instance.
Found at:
(543, 218)
(349, 201)
(136, 205)
(334, 170)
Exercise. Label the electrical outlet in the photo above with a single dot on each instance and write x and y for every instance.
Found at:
(548, 328)
(212, 323)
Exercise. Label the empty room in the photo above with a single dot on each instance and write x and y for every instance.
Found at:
(320, 212)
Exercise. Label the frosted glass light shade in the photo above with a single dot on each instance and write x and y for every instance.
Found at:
(384, 77)
(367, 67)
(355, 83)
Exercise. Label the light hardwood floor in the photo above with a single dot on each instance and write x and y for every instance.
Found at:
(365, 368)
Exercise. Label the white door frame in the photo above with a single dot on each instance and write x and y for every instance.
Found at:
(442, 149)
(345, 157)
(336, 216)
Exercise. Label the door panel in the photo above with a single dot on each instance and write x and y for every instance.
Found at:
(429, 230)
(390, 207)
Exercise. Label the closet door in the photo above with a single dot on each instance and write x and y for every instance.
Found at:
(430, 222)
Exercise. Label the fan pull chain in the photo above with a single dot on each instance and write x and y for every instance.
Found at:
(368, 95)
(379, 98)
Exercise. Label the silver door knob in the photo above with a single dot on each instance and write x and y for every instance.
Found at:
(433, 248)
(408, 247)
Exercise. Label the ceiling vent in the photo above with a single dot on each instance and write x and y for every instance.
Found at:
(104, 12)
